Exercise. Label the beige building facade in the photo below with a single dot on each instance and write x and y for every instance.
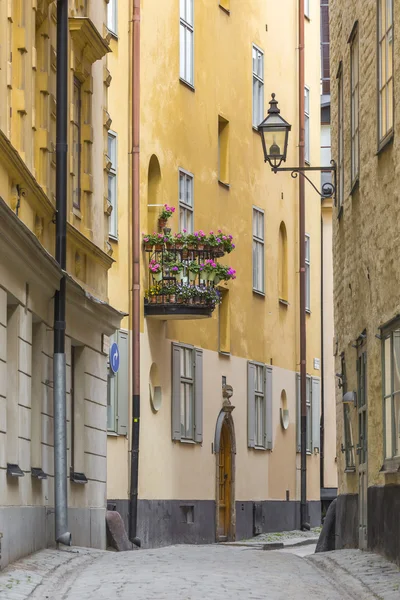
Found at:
(30, 276)
(219, 450)
(364, 125)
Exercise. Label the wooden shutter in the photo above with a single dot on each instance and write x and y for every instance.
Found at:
(122, 382)
(298, 414)
(175, 392)
(198, 395)
(251, 408)
(268, 408)
(316, 413)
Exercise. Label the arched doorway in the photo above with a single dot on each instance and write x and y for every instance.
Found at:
(225, 449)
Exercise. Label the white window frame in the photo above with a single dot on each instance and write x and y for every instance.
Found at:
(259, 406)
(186, 41)
(187, 382)
(340, 174)
(307, 8)
(355, 105)
(390, 427)
(257, 80)
(307, 254)
(112, 16)
(186, 209)
(112, 175)
(307, 124)
(258, 247)
(385, 82)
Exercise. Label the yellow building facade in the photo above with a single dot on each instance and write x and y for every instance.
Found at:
(30, 276)
(219, 428)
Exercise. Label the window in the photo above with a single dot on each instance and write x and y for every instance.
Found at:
(185, 201)
(258, 86)
(313, 414)
(223, 150)
(308, 273)
(391, 393)
(118, 387)
(283, 270)
(112, 184)
(76, 144)
(307, 124)
(309, 415)
(340, 191)
(362, 405)
(385, 67)
(112, 16)
(325, 50)
(187, 393)
(354, 65)
(307, 8)
(348, 447)
(186, 33)
(258, 250)
(259, 406)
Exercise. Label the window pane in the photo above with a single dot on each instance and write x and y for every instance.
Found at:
(382, 18)
(189, 190)
(182, 52)
(182, 9)
(308, 429)
(388, 427)
(388, 369)
(189, 56)
(397, 424)
(189, 11)
(389, 13)
(307, 139)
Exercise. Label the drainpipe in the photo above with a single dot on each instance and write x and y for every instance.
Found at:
(135, 95)
(322, 424)
(304, 520)
(62, 534)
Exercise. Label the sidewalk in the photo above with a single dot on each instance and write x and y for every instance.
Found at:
(277, 541)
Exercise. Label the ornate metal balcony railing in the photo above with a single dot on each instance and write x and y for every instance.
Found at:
(183, 276)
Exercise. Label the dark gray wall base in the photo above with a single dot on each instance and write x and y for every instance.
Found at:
(383, 521)
(165, 522)
(277, 515)
(347, 521)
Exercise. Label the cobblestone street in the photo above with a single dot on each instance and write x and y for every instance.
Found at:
(206, 572)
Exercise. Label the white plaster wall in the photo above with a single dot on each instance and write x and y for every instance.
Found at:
(174, 470)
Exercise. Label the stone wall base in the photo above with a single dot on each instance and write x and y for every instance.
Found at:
(165, 522)
(383, 521)
(347, 521)
(27, 529)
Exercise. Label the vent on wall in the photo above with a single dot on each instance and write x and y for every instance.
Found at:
(188, 513)
(257, 518)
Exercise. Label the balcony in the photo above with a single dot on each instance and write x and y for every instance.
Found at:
(184, 273)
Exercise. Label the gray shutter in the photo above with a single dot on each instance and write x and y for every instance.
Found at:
(298, 414)
(198, 395)
(316, 413)
(175, 393)
(123, 384)
(268, 408)
(251, 414)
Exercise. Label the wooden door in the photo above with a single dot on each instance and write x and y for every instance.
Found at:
(224, 485)
(362, 449)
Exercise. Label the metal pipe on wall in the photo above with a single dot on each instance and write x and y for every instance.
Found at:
(135, 98)
(304, 519)
(62, 534)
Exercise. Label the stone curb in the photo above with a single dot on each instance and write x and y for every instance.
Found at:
(271, 545)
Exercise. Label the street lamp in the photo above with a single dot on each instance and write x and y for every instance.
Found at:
(274, 138)
(274, 135)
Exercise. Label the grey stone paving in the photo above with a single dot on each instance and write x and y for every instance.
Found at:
(206, 572)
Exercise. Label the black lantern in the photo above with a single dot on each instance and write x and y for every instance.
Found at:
(274, 135)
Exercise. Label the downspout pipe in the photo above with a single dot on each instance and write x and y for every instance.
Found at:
(322, 424)
(135, 98)
(304, 518)
(62, 535)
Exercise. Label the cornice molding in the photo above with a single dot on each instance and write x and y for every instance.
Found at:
(81, 241)
(87, 38)
(21, 174)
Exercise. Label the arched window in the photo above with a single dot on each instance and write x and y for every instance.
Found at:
(282, 264)
(154, 199)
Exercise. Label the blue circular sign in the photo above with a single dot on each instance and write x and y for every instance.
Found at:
(114, 358)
